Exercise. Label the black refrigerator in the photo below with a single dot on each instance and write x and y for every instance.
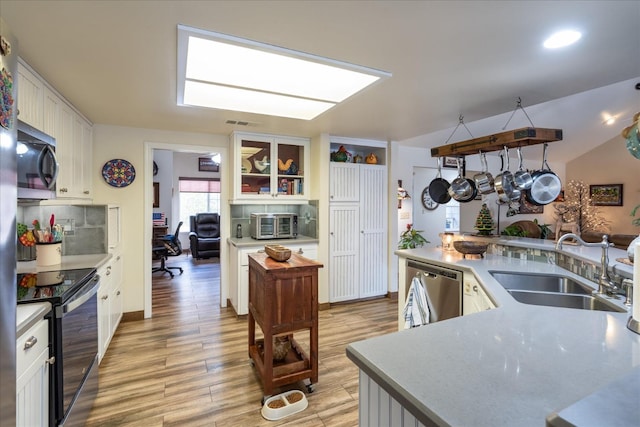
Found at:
(8, 206)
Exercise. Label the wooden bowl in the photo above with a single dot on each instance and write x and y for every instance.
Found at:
(278, 252)
(470, 248)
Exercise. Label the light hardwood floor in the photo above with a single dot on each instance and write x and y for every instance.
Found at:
(189, 366)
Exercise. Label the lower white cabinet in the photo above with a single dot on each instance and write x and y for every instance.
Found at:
(32, 376)
(239, 262)
(474, 297)
(109, 302)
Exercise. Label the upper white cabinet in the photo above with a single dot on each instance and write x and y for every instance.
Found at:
(30, 97)
(43, 108)
(270, 168)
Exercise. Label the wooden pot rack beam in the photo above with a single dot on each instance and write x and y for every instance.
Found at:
(512, 139)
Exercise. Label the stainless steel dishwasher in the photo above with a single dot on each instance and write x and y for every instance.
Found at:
(443, 287)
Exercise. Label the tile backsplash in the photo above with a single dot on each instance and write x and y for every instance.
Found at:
(307, 216)
(85, 226)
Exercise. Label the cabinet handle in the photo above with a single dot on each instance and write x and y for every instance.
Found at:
(63, 190)
(104, 297)
(300, 251)
(118, 293)
(118, 258)
(30, 342)
(51, 360)
(86, 192)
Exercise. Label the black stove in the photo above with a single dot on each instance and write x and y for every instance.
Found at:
(55, 287)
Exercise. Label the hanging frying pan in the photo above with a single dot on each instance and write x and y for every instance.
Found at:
(461, 188)
(522, 178)
(484, 180)
(504, 181)
(546, 185)
(439, 187)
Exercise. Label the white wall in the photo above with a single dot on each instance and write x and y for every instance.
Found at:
(129, 143)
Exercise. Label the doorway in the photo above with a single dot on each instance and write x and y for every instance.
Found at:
(224, 177)
(439, 219)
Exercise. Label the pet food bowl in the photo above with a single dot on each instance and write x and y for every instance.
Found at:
(284, 404)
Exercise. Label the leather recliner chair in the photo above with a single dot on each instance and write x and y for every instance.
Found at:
(204, 238)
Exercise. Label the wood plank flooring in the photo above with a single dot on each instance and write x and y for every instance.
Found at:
(189, 366)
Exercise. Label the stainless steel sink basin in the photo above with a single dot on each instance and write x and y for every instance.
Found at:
(540, 283)
(584, 302)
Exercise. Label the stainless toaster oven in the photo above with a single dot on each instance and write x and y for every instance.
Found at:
(274, 226)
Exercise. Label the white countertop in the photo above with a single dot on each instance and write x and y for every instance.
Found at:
(512, 365)
(248, 242)
(70, 262)
(29, 314)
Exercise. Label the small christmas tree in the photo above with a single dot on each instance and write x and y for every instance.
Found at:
(484, 222)
(579, 209)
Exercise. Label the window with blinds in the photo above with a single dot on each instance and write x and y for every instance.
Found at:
(198, 195)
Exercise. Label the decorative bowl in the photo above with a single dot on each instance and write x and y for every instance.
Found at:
(278, 252)
(470, 248)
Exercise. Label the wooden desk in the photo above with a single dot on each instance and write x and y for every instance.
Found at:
(283, 298)
(159, 231)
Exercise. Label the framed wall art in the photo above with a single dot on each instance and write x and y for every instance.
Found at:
(156, 194)
(606, 195)
(205, 164)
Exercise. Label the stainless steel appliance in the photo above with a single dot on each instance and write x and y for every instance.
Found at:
(443, 287)
(273, 225)
(37, 164)
(8, 68)
(74, 338)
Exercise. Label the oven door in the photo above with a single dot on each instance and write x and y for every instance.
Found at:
(76, 355)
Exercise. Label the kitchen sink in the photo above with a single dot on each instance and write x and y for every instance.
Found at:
(540, 283)
(584, 302)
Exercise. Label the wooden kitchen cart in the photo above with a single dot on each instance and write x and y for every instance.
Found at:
(283, 299)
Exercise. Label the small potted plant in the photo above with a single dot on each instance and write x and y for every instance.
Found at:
(411, 238)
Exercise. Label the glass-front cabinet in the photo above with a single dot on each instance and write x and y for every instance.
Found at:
(270, 167)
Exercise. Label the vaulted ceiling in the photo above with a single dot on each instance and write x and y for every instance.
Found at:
(116, 61)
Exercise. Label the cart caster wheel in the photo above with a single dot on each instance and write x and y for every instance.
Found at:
(310, 388)
(252, 363)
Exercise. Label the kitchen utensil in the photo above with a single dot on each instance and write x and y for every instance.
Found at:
(522, 178)
(546, 185)
(461, 188)
(504, 181)
(484, 180)
(439, 187)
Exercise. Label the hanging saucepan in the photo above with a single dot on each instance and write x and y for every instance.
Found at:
(522, 178)
(546, 185)
(484, 180)
(439, 187)
(461, 188)
(504, 181)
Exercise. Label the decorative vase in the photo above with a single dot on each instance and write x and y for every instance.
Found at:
(632, 248)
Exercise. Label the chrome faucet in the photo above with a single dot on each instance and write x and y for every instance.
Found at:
(605, 284)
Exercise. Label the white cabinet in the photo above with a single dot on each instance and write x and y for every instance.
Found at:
(30, 97)
(357, 231)
(239, 275)
(43, 108)
(32, 376)
(474, 297)
(109, 302)
(270, 168)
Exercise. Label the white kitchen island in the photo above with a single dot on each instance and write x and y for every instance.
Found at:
(513, 365)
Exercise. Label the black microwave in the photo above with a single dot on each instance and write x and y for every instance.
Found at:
(37, 164)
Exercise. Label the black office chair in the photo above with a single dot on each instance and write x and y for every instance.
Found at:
(171, 246)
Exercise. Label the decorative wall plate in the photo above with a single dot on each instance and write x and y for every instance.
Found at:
(118, 173)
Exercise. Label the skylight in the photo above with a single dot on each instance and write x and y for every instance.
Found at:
(225, 72)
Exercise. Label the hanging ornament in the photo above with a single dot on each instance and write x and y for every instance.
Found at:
(632, 135)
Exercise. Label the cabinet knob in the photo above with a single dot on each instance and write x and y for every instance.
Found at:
(475, 288)
(30, 342)
(86, 191)
(104, 297)
(118, 293)
(300, 251)
(118, 258)
(51, 360)
(63, 190)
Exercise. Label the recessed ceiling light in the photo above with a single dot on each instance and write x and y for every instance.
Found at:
(562, 39)
(226, 72)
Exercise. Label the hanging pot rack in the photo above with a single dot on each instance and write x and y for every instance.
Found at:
(511, 139)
